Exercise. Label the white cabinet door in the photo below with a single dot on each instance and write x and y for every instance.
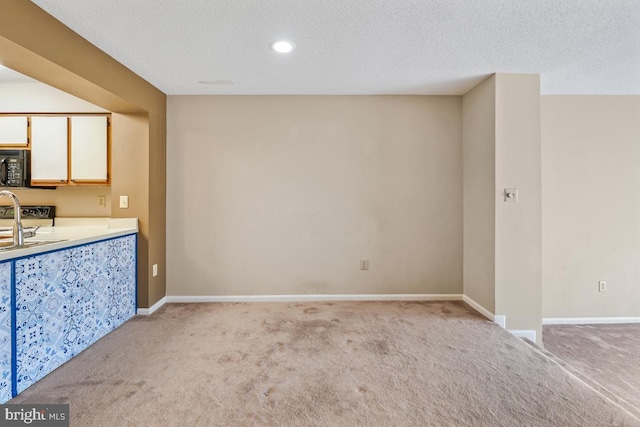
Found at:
(13, 130)
(89, 148)
(49, 149)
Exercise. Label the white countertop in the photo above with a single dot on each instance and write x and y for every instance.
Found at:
(72, 232)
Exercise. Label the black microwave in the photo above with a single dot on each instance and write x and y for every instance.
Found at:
(15, 168)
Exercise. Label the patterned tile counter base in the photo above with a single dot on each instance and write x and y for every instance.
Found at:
(5, 332)
(65, 300)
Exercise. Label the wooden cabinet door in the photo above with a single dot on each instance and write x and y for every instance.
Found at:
(89, 153)
(14, 131)
(49, 155)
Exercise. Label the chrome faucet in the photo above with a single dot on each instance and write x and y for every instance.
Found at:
(18, 230)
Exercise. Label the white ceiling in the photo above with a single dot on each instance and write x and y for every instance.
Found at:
(364, 46)
(7, 75)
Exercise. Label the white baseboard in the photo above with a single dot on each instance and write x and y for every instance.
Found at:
(501, 320)
(497, 318)
(154, 307)
(313, 298)
(588, 320)
(529, 334)
(477, 307)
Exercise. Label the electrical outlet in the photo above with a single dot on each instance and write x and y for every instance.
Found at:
(155, 270)
(364, 264)
(124, 202)
(602, 286)
(102, 201)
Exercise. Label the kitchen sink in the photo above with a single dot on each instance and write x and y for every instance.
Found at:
(9, 246)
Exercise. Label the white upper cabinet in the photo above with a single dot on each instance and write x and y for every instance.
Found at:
(49, 142)
(89, 149)
(65, 149)
(13, 130)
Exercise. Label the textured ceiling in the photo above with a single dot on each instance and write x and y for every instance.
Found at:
(364, 46)
(10, 76)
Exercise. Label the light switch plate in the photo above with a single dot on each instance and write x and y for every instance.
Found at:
(510, 194)
(124, 202)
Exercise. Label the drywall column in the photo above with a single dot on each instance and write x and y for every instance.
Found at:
(519, 224)
(502, 240)
(478, 153)
(130, 176)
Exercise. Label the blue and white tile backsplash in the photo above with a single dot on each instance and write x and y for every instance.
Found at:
(5, 331)
(68, 299)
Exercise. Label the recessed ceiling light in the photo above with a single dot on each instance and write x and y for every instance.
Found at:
(282, 46)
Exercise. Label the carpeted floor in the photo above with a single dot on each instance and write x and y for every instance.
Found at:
(605, 356)
(324, 364)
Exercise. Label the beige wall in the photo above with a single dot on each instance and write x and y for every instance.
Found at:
(69, 201)
(284, 195)
(518, 225)
(33, 43)
(130, 136)
(591, 209)
(157, 202)
(479, 135)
